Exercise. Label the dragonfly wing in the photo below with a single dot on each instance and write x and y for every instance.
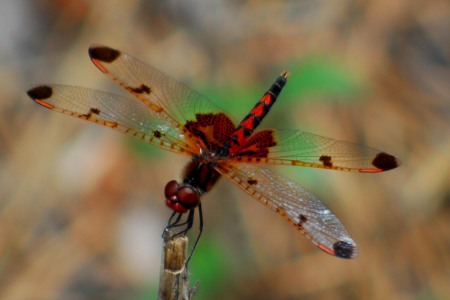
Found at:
(123, 114)
(153, 88)
(299, 207)
(297, 148)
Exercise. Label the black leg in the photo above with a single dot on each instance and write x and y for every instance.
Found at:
(200, 230)
(173, 215)
(174, 221)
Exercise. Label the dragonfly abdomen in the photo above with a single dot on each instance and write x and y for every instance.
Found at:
(245, 129)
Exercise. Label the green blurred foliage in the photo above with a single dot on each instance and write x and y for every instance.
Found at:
(322, 76)
(209, 265)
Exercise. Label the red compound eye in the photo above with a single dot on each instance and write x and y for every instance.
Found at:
(171, 189)
(188, 197)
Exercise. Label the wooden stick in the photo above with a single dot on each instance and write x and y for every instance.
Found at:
(174, 277)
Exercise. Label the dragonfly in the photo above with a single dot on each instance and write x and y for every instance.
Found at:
(168, 114)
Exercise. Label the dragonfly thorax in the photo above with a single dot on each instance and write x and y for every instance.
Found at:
(199, 178)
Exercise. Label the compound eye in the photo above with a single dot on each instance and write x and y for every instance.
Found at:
(188, 197)
(171, 189)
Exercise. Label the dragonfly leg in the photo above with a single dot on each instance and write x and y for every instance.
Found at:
(174, 222)
(200, 230)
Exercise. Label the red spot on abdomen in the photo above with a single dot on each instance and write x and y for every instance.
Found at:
(267, 99)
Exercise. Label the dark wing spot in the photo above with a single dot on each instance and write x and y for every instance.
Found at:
(385, 161)
(157, 134)
(103, 53)
(343, 249)
(88, 115)
(252, 181)
(140, 89)
(40, 92)
(326, 160)
(94, 111)
(303, 219)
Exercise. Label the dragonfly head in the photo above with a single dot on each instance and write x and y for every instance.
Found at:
(181, 197)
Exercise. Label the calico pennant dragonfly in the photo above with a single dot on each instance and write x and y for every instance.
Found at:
(170, 115)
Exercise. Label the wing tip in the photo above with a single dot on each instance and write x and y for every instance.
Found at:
(40, 92)
(341, 249)
(382, 162)
(103, 53)
(385, 162)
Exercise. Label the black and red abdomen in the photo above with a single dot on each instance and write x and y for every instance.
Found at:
(254, 118)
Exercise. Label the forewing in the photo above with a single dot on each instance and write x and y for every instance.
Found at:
(297, 148)
(299, 207)
(153, 88)
(123, 114)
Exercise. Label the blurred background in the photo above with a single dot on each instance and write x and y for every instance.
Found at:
(82, 208)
